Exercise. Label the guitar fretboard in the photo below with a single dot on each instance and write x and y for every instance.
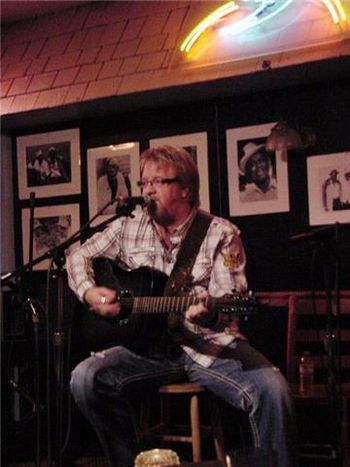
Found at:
(158, 305)
(236, 303)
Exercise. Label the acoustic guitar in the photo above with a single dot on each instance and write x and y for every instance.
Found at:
(145, 312)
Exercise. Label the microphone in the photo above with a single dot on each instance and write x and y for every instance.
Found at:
(133, 201)
(142, 200)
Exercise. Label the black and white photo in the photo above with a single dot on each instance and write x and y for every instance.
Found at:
(257, 178)
(112, 173)
(48, 164)
(328, 178)
(52, 225)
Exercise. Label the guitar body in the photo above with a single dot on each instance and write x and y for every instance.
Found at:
(143, 323)
(135, 331)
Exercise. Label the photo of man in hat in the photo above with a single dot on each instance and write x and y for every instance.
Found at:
(332, 192)
(257, 174)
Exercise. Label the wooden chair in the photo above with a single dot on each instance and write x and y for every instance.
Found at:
(308, 332)
(307, 320)
(170, 430)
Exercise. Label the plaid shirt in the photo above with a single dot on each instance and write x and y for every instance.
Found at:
(134, 242)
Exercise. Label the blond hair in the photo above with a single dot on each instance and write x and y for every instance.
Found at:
(186, 170)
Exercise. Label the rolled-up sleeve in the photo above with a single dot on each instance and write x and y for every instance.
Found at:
(79, 261)
(229, 262)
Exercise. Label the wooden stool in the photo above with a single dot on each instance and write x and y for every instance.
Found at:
(174, 433)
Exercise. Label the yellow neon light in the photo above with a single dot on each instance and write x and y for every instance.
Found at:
(339, 5)
(332, 10)
(335, 9)
(205, 23)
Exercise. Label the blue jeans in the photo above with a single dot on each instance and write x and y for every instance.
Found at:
(246, 380)
(104, 384)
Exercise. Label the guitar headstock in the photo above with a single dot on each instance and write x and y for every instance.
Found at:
(237, 304)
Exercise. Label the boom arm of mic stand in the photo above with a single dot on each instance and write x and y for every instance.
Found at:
(58, 255)
(56, 252)
(59, 335)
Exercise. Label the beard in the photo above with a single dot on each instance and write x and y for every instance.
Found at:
(160, 215)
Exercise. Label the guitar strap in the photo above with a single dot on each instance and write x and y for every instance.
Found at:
(188, 252)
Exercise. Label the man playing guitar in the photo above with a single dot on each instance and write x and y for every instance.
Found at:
(195, 345)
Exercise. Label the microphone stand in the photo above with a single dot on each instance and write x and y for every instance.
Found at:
(35, 318)
(123, 210)
(34, 308)
(332, 338)
(329, 239)
(57, 254)
(328, 244)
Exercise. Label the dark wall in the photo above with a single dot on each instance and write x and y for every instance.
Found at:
(274, 262)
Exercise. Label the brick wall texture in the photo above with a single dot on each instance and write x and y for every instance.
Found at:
(112, 48)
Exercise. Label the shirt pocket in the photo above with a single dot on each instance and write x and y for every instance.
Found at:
(138, 257)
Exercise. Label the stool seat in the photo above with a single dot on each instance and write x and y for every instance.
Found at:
(181, 388)
(192, 431)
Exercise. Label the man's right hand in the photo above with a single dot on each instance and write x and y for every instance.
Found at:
(103, 301)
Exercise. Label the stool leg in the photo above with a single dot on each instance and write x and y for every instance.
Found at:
(195, 429)
(217, 431)
(165, 414)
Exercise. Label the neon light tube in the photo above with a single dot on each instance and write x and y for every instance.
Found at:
(332, 10)
(206, 22)
(340, 8)
(244, 25)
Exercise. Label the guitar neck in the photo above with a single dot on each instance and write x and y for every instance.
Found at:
(140, 292)
(158, 305)
(232, 304)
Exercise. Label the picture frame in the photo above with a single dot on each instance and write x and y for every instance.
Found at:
(48, 164)
(197, 145)
(52, 226)
(325, 207)
(252, 192)
(125, 156)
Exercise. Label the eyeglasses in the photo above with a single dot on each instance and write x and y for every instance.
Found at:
(156, 182)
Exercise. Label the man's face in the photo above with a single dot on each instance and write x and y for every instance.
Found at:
(112, 169)
(258, 167)
(166, 197)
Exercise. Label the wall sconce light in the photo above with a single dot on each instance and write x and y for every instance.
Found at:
(283, 137)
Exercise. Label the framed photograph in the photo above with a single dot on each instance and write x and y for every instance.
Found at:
(257, 179)
(197, 145)
(52, 226)
(48, 164)
(112, 171)
(328, 180)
